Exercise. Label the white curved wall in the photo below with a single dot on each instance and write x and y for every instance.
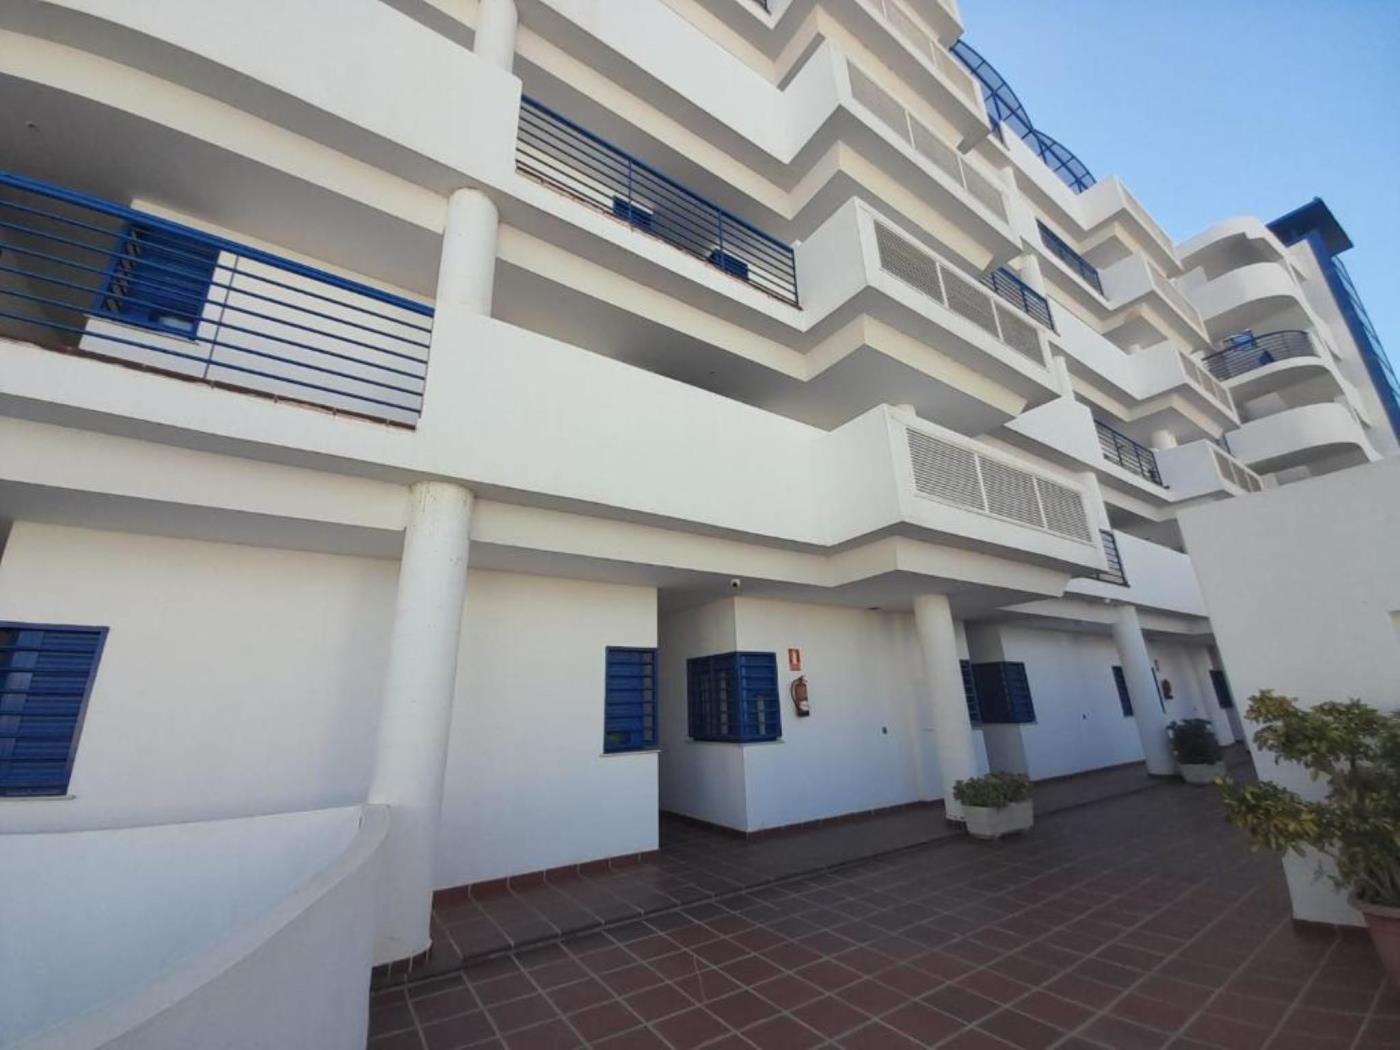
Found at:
(162, 898)
(1299, 435)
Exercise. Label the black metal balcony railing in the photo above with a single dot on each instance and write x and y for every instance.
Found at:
(1071, 258)
(96, 277)
(577, 162)
(1020, 295)
(1244, 353)
(1127, 453)
(1114, 573)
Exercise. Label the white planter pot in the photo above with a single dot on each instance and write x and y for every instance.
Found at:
(985, 822)
(1194, 774)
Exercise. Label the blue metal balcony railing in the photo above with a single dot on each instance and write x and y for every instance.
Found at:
(1071, 258)
(1127, 453)
(1246, 352)
(577, 162)
(1114, 573)
(1020, 295)
(88, 275)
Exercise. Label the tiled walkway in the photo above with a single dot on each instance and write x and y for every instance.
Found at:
(1139, 922)
(697, 864)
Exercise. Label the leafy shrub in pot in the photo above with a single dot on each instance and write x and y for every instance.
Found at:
(996, 804)
(1196, 750)
(1355, 749)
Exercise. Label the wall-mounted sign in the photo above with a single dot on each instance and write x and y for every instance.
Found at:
(794, 659)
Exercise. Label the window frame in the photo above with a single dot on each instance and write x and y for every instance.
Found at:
(710, 681)
(129, 306)
(1120, 682)
(647, 700)
(1004, 694)
(7, 791)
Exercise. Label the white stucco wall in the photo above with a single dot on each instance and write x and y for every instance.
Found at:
(856, 751)
(90, 917)
(528, 786)
(1079, 722)
(1303, 587)
(236, 680)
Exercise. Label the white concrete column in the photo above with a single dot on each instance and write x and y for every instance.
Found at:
(496, 22)
(1093, 499)
(467, 267)
(1028, 269)
(417, 710)
(1142, 691)
(1059, 375)
(1163, 439)
(943, 712)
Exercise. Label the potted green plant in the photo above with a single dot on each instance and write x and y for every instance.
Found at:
(996, 804)
(1355, 749)
(1197, 752)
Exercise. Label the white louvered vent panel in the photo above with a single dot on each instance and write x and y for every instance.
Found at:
(879, 101)
(908, 29)
(967, 299)
(903, 259)
(1019, 335)
(931, 147)
(1064, 510)
(985, 191)
(1222, 464)
(1011, 492)
(944, 471)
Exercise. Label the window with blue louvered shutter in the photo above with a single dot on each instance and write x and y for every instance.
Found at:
(974, 712)
(1003, 693)
(158, 279)
(629, 699)
(1222, 689)
(733, 697)
(46, 675)
(1124, 700)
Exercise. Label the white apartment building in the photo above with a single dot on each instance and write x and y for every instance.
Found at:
(436, 436)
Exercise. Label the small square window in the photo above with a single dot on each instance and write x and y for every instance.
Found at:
(629, 699)
(733, 697)
(46, 676)
(159, 279)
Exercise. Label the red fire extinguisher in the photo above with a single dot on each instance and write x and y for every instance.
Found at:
(797, 689)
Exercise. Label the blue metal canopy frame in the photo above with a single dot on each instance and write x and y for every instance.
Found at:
(1004, 107)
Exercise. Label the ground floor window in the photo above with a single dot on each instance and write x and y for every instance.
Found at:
(1003, 693)
(733, 697)
(1124, 700)
(46, 676)
(974, 713)
(1223, 695)
(629, 699)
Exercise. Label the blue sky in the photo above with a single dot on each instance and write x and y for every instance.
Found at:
(1213, 108)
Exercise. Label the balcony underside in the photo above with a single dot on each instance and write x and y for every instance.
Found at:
(1321, 437)
(1297, 381)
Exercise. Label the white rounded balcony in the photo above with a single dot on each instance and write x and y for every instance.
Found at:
(1247, 297)
(1325, 436)
(1252, 366)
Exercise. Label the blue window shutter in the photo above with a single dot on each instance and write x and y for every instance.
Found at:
(158, 279)
(46, 676)
(1124, 700)
(974, 711)
(734, 697)
(629, 699)
(1222, 689)
(1003, 693)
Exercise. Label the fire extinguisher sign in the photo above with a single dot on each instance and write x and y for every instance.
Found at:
(794, 659)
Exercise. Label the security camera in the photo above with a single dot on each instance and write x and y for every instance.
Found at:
(735, 583)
